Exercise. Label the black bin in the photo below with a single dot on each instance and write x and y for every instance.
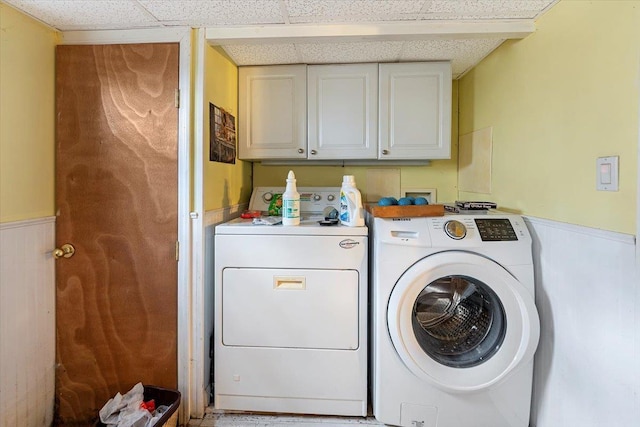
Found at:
(162, 396)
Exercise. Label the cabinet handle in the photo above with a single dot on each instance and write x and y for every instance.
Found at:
(300, 150)
(314, 152)
(288, 282)
(385, 151)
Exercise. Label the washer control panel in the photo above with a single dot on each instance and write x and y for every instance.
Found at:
(495, 229)
(478, 228)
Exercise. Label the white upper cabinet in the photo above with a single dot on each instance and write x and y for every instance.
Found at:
(346, 112)
(415, 111)
(342, 108)
(272, 112)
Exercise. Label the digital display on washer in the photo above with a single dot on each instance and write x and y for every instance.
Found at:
(495, 230)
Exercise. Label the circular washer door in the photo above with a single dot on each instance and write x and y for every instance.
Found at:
(461, 321)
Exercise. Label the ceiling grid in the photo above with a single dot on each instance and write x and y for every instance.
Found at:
(260, 32)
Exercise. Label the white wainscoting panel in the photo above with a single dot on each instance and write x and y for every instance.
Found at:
(27, 323)
(211, 219)
(587, 367)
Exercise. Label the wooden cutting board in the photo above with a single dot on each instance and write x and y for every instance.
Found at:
(397, 211)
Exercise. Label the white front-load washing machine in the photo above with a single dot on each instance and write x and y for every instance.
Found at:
(454, 323)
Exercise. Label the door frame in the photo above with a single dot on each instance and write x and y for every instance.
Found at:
(638, 181)
(190, 242)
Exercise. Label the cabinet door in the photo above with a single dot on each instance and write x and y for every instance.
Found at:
(272, 112)
(343, 111)
(415, 111)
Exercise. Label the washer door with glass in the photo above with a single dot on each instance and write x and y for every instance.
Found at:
(461, 321)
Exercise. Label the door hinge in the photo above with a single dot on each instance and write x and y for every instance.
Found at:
(177, 251)
(177, 100)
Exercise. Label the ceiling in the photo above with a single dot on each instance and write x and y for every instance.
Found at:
(260, 32)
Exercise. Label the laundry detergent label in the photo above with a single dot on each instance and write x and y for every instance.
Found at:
(344, 208)
(275, 207)
(291, 208)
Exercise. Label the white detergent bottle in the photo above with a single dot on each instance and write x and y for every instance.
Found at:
(351, 211)
(291, 202)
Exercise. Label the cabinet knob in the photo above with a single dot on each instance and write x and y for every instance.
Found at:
(385, 151)
(314, 152)
(300, 150)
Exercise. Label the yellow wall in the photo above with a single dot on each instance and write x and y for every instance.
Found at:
(557, 100)
(27, 65)
(440, 174)
(224, 184)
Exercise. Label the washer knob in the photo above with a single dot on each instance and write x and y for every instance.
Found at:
(317, 197)
(455, 229)
(331, 197)
(267, 197)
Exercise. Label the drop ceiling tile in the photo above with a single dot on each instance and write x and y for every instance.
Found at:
(216, 12)
(476, 16)
(319, 11)
(483, 9)
(353, 18)
(351, 7)
(378, 51)
(88, 14)
(464, 53)
(263, 54)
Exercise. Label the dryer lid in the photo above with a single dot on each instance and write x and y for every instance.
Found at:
(461, 321)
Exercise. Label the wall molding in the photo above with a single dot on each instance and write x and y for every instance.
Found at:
(585, 285)
(629, 239)
(27, 222)
(27, 322)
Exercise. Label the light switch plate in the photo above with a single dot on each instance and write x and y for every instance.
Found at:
(607, 173)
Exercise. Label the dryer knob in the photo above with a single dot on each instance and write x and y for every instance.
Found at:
(267, 197)
(455, 229)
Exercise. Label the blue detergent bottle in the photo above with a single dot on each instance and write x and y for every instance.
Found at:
(351, 210)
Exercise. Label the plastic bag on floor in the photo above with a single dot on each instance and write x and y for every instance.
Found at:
(125, 410)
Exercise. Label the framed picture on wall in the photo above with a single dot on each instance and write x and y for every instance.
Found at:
(222, 135)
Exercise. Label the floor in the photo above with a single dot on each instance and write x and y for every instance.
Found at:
(214, 418)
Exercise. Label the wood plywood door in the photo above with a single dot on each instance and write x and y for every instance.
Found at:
(116, 198)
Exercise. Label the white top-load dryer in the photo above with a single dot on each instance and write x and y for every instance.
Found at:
(291, 312)
(454, 322)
